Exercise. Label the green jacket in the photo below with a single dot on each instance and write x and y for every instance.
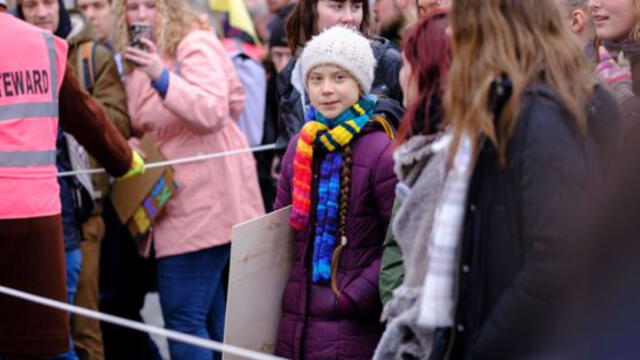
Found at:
(392, 268)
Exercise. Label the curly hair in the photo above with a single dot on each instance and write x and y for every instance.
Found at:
(175, 19)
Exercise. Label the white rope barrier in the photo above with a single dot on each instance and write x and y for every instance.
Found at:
(170, 334)
(196, 158)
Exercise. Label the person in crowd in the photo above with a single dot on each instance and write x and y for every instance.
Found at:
(112, 269)
(279, 52)
(419, 164)
(577, 15)
(81, 207)
(617, 25)
(279, 9)
(276, 6)
(528, 148)
(182, 90)
(3, 6)
(427, 6)
(338, 175)
(246, 58)
(308, 18)
(393, 17)
(94, 64)
(32, 229)
(99, 14)
(277, 58)
(125, 278)
(52, 17)
(261, 17)
(597, 317)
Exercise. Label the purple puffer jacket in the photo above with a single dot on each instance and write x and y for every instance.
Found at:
(314, 324)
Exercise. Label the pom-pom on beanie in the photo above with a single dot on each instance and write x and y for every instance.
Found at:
(342, 47)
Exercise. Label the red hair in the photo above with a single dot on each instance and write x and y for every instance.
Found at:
(427, 48)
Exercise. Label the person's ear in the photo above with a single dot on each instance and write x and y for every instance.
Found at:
(578, 21)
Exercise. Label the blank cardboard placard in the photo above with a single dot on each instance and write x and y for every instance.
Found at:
(261, 255)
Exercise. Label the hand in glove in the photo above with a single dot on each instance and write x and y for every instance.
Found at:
(615, 74)
(137, 166)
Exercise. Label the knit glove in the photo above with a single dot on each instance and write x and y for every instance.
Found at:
(137, 166)
(615, 74)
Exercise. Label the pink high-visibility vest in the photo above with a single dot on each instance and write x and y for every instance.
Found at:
(32, 65)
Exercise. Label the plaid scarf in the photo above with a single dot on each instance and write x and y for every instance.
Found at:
(328, 135)
(438, 293)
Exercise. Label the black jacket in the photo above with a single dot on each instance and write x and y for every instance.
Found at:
(517, 233)
(385, 82)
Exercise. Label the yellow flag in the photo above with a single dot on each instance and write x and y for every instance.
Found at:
(237, 15)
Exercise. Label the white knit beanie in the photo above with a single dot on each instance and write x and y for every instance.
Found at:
(342, 47)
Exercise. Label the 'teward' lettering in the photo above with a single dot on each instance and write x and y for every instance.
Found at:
(24, 82)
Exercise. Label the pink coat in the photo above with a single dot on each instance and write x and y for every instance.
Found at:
(196, 117)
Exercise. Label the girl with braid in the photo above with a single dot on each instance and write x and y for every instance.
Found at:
(338, 174)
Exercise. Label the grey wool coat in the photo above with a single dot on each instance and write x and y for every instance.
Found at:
(420, 167)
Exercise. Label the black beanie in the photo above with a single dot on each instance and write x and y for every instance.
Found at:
(278, 35)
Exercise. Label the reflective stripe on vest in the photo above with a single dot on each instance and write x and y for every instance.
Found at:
(27, 158)
(29, 110)
(51, 48)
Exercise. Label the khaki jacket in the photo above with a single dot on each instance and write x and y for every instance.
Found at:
(108, 91)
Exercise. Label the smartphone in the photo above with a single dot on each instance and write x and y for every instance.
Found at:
(138, 31)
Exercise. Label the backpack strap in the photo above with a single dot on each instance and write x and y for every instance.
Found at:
(93, 62)
(383, 124)
(87, 65)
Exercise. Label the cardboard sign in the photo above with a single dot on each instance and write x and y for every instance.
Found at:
(261, 256)
(139, 200)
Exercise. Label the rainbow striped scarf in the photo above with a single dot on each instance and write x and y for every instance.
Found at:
(329, 135)
(334, 134)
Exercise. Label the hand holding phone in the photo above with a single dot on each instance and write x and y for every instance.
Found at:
(147, 60)
(137, 32)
